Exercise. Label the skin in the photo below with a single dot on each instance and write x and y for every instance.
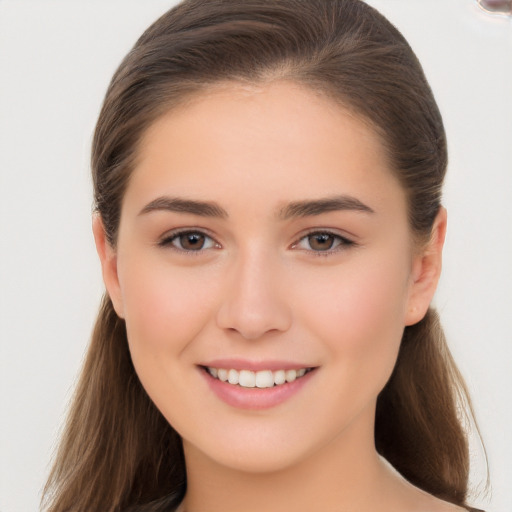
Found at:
(260, 289)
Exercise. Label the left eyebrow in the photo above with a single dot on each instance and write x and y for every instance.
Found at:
(324, 205)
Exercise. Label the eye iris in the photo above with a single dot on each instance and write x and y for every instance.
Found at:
(192, 241)
(321, 242)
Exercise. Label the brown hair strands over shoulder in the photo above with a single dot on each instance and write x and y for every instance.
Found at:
(117, 452)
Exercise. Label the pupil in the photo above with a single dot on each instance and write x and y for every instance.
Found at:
(321, 242)
(192, 241)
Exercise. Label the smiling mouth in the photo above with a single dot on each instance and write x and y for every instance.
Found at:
(260, 379)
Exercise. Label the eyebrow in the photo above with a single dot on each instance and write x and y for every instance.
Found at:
(176, 204)
(294, 209)
(324, 205)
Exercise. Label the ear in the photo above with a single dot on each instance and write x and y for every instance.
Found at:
(108, 259)
(426, 269)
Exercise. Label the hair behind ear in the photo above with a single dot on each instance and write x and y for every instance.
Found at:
(116, 449)
(418, 425)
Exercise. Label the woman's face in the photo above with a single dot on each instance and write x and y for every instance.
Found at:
(261, 233)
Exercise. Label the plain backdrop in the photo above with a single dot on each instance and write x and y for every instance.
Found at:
(56, 59)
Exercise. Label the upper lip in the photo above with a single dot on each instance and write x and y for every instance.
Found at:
(255, 366)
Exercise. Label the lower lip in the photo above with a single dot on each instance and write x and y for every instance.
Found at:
(255, 398)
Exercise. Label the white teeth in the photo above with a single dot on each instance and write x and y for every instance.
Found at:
(279, 377)
(261, 379)
(291, 375)
(247, 379)
(264, 379)
(233, 377)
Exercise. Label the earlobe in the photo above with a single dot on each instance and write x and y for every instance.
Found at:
(426, 270)
(108, 260)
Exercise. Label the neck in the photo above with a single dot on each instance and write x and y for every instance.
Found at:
(345, 474)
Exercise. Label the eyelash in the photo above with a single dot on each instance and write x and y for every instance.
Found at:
(343, 243)
(168, 240)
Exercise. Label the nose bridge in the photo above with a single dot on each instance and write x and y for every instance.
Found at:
(252, 303)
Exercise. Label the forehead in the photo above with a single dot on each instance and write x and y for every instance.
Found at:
(280, 112)
(250, 140)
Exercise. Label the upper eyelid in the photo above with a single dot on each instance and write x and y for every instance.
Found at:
(168, 236)
(345, 243)
(171, 233)
(326, 231)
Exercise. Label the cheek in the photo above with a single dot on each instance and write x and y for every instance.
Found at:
(165, 307)
(359, 314)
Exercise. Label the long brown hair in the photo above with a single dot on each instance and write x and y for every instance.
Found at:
(117, 452)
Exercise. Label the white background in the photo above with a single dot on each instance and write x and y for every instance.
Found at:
(56, 59)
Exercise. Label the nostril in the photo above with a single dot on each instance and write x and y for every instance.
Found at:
(496, 6)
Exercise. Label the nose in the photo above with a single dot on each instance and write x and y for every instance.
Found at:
(254, 302)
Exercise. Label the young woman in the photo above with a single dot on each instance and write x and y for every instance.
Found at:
(268, 188)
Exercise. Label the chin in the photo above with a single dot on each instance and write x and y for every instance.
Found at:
(259, 461)
(251, 454)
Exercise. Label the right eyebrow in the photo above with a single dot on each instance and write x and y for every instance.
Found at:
(176, 204)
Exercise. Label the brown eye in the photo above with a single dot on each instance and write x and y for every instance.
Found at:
(321, 241)
(191, 241)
